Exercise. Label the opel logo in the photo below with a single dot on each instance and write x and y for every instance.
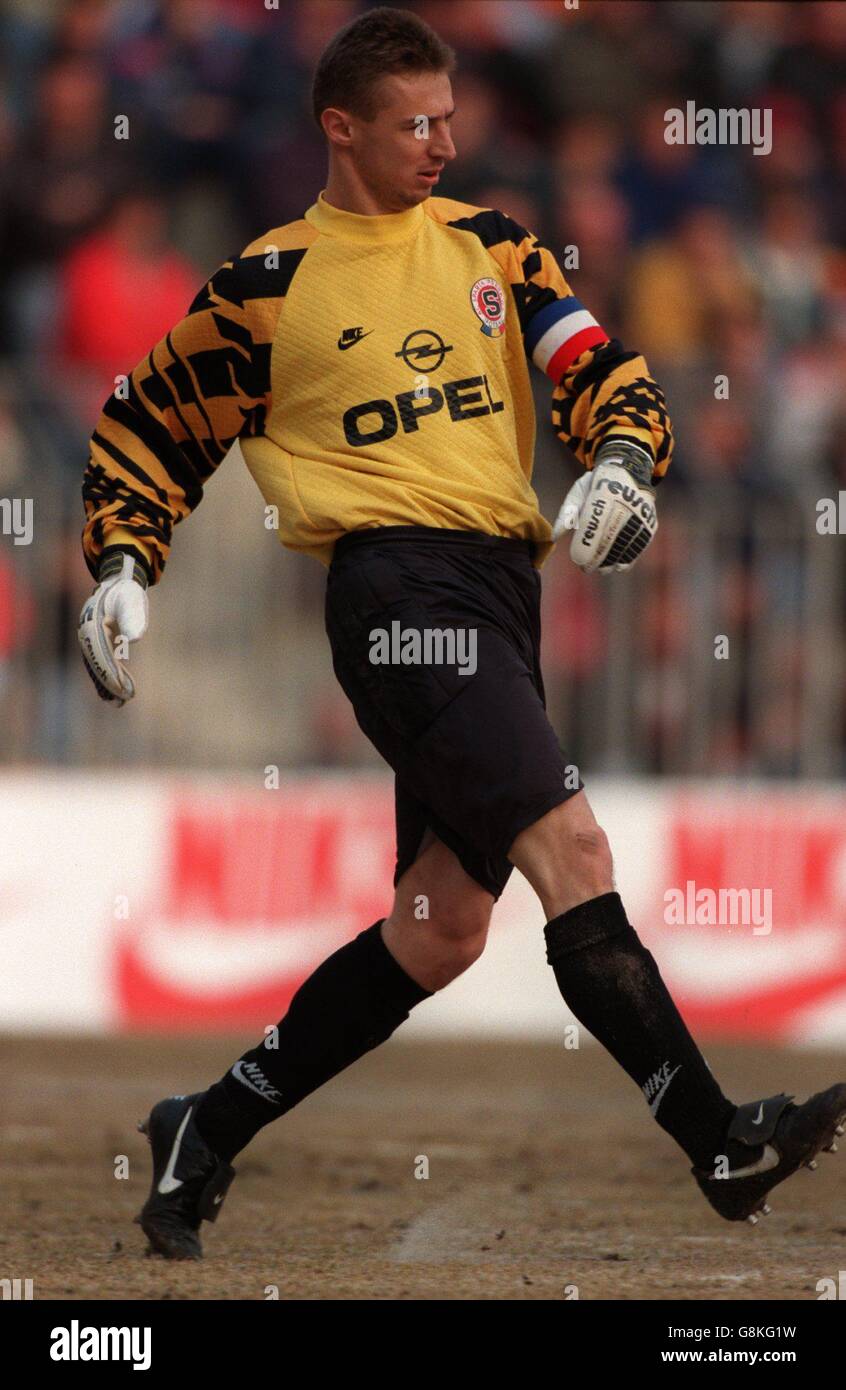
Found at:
(423, 350)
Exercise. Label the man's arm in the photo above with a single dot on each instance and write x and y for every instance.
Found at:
(601, 392)
(605, 407)
(157, 442)
(203, 385)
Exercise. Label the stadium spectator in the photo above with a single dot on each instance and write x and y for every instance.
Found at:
(121, 290)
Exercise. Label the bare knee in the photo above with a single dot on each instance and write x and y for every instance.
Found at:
(591, 851)
(458, 939)
(565, 856)
(446, 944)
(439, 923)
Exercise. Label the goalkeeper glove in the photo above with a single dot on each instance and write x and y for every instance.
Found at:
(114, 615)
(611, 509)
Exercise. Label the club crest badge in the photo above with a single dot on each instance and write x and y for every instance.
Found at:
(488, 301)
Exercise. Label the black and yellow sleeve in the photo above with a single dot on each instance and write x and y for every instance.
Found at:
(164, 431)
(601, 392)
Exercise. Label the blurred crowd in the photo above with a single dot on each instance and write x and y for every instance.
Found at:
(144, 141)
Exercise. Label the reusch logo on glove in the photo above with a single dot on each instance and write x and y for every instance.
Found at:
(595, 516)
(634, 498)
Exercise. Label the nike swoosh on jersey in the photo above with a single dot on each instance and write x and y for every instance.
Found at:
(351, 342)
(169, 1183)
(760, 1115)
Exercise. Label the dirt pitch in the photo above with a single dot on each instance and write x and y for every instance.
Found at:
(545, 1172)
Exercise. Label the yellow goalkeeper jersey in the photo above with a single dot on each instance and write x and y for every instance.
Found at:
(375, 370)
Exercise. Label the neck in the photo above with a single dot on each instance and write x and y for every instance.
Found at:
(345, 190)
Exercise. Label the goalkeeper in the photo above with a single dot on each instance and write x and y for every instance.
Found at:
(372, 359)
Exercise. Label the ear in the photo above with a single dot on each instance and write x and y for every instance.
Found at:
(336, 126)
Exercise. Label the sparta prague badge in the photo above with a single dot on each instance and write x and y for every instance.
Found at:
(488, 301)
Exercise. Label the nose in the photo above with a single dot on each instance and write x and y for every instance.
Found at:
(441, 149)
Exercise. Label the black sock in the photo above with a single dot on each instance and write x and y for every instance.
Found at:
(346, 1007)
(613, 986)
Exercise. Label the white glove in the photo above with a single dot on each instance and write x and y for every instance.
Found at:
(611, 509)
(114, 615)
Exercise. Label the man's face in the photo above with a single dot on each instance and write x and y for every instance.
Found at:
(398, 152)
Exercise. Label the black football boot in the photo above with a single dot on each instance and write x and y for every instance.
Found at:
(189, 1181)
(781, 1137)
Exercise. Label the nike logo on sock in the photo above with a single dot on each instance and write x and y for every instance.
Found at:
(661, 1079)
(169, 1183)
(251, 1076)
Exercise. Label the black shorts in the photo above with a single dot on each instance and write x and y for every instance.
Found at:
(474, 753)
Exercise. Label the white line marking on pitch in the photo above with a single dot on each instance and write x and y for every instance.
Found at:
(444, 1232)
